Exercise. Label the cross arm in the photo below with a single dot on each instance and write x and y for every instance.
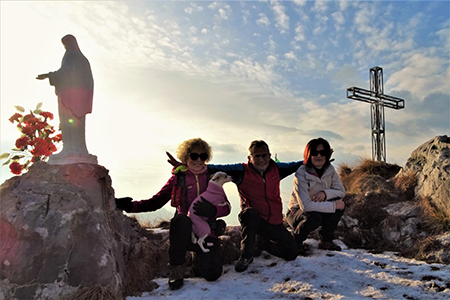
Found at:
(367, 96)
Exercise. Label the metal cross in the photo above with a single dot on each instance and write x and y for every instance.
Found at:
(378, 100)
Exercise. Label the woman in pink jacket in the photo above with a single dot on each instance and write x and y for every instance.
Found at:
(189, 179)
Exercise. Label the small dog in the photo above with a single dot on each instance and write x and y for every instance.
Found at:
(215, 195)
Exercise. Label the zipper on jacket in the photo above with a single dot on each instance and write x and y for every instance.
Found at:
(265, 195)
(198, 185)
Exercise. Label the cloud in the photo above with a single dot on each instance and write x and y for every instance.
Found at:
(339, 19)
(223, 10)
(263, 20)
(300, 2)
(282, 20)
(299, 32)
(320, 6)
(422, 75)
(193, 7)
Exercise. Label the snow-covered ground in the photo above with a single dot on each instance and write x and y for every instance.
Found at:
(349, 274)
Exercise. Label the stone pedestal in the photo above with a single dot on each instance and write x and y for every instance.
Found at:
(59, 231)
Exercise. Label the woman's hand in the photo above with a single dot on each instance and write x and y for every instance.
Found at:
(172, 160)
(340, 204)
(319, 197)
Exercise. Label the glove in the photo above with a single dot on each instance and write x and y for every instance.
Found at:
(124, 203)
(204, 208)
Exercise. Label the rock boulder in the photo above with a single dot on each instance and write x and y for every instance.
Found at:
(431, 164)
(59, 230)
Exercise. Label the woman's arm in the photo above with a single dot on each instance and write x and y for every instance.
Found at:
(157, 201)
(301, 193)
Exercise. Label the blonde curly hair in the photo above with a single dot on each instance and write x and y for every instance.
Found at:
(196, 144)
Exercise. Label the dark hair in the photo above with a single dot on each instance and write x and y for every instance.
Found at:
(257, 144)
(312, 145)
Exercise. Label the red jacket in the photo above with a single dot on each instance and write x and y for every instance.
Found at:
(262, 192)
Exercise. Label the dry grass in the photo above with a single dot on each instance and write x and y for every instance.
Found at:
(367, 176)
(437, 221)
(406, 184)
(96, 292)
(426, 247)
(147, 260)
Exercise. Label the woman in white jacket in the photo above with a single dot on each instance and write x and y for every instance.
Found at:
(316, 199)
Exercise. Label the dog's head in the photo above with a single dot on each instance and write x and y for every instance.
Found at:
(220, 178)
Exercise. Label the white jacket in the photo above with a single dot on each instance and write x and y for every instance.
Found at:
(307, 183)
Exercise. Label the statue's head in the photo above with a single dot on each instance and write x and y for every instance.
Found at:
(70, 42)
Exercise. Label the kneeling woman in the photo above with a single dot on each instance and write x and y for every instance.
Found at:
(189, 179)
(316, 199)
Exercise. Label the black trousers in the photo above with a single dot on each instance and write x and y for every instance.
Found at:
(209, 264)
(305, 222)
(275, 239)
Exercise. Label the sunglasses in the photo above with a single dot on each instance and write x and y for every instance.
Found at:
(317, 152)
(195, 156)
(263, 156)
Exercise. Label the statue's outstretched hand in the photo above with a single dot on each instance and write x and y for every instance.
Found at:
(42, 76)
(124, 203)
(172, 160)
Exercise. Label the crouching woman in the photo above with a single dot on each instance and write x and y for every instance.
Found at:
(189, 179)
(316, 199)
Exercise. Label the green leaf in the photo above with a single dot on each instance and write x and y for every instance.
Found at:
(37, 111)
(4, 155)
(6, 162)
(39, 105)
(19, 108)
(17, 157)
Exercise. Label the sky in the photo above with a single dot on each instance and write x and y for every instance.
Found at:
(231, 72)
(350, 274)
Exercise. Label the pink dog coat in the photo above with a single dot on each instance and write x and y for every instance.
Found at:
(216, 196)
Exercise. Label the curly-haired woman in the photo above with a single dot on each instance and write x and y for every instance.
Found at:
(189, 179)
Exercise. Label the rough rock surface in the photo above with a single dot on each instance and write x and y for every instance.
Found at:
(59, 231)
(431, 164)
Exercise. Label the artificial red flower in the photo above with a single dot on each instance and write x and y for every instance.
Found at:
(31, 120)
(40, 147)
(38, 126)
(16, 168)
(28, 130)
(22, 142)
(15, 117)
(47, 114)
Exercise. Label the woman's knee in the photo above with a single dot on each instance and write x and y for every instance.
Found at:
(248, 214)
(180, 221)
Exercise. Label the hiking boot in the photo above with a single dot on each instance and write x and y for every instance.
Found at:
(176, 277)
(259, 245)
(329, 246)
(242, 264)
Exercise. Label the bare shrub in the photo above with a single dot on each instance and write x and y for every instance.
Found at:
(391, 222)
(96, 292)
(426, 247)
